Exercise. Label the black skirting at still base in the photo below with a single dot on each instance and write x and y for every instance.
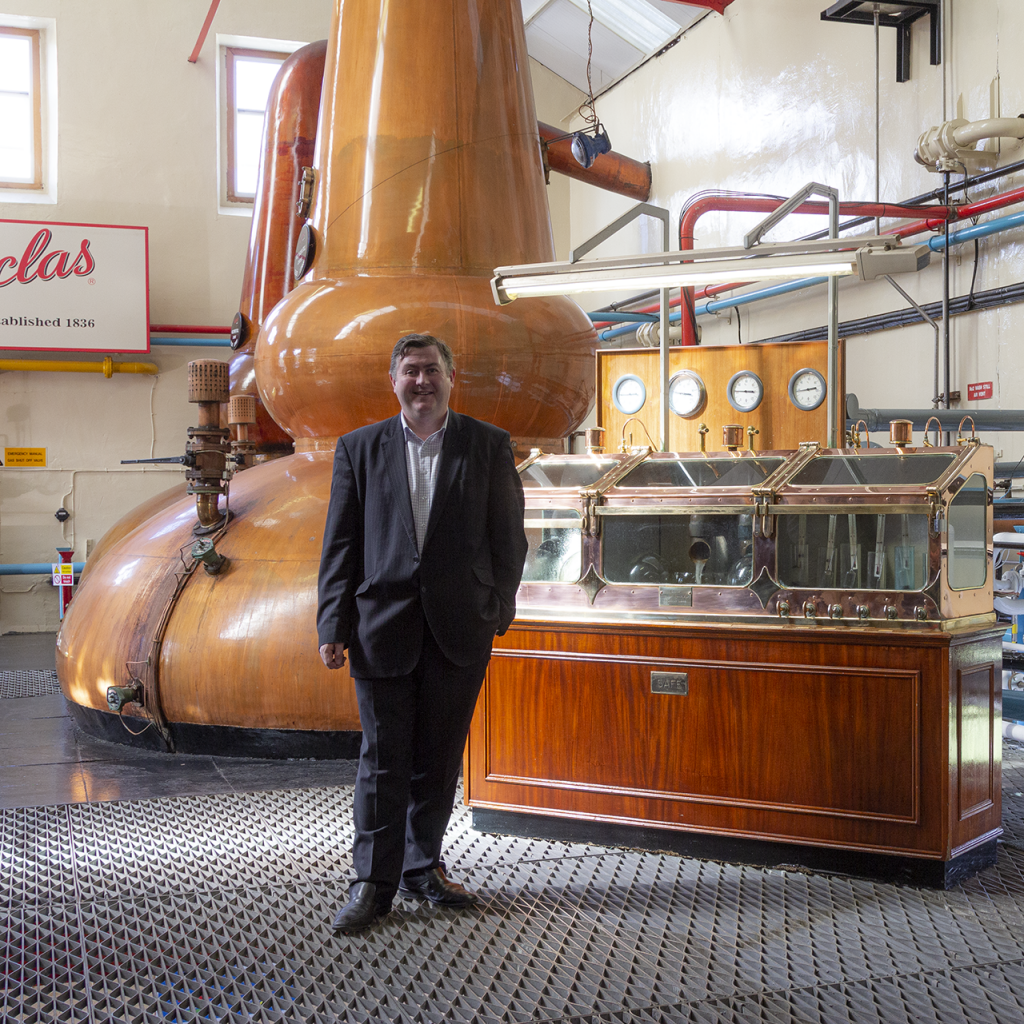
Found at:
(222, 740)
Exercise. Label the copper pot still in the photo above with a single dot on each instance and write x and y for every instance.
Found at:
(427, 175)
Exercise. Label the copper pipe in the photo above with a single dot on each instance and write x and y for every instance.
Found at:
(611, 171)
(207, 510)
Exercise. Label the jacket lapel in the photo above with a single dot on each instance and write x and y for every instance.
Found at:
(393, 450)
(453, 450)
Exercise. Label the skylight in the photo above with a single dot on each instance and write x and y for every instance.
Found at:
(625, 34)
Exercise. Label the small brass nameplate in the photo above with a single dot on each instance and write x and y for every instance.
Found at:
(670, 682)
(675, 597)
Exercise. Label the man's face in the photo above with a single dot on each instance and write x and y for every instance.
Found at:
(421, 384)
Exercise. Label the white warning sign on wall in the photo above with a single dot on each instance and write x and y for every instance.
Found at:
(74, 287)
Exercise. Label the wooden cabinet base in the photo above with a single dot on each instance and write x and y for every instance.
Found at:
(836, 742)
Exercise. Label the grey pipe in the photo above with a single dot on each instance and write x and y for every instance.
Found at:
(935, 327)
(947, 374)
(949, 419)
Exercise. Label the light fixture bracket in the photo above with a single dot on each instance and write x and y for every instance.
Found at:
(897, 14)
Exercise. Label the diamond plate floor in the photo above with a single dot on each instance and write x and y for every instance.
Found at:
(28, 683)
(215, 907)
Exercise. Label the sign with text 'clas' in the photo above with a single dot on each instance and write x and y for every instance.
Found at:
(74, 287)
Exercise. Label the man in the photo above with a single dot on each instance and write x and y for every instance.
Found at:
(423, 552)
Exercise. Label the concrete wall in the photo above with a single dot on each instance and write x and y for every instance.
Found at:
(767, 98)
(138, 144)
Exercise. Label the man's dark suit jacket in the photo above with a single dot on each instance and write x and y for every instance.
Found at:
(375, 588)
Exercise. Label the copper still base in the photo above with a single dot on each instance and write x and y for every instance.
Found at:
(241, 648)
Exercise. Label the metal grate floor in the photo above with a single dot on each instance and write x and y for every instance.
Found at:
(28, 683)
(216, 908)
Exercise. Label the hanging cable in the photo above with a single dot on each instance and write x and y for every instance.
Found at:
(586, 108)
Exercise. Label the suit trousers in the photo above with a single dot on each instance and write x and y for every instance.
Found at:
(414, 734)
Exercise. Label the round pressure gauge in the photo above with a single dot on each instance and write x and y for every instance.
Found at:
(687, 395)
(629, 394)
(744, 391)
(807, 389)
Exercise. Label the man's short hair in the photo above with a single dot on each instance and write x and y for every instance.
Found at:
(413, 341)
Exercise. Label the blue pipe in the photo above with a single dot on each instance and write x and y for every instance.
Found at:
(196, 342)
(615, 332)
(35, 568)
(712, 305)
(990, 227)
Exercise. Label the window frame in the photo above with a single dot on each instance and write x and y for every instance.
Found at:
(36, 96)
(231, 54)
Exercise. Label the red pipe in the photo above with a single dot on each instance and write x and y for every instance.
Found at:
(960, 212)
(194, 55)
(745, 205)
(742, 204)
(186, 329)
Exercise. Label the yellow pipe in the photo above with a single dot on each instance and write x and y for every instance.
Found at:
(108, 367)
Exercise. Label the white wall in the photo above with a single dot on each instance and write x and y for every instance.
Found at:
(138, 145)
(767, 98)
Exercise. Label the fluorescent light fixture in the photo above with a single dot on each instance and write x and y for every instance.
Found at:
(868, 257)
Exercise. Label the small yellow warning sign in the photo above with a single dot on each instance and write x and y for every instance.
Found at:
(24, 456)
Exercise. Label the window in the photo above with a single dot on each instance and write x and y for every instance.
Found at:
(249, 75)
(21, 113)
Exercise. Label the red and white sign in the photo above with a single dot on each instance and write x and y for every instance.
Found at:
(74, 287)
(976, 392)
(63, 574)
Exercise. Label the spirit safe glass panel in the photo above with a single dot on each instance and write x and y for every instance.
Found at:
(967, 551)
(873, 470)
(570, 472)
(555, 536)
(695, 550)
(714, 472)
(853, 551)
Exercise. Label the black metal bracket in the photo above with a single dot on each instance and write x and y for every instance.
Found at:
(861, 13)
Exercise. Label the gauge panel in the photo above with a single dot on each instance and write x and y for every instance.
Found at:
(745, 391)
(687, 395)
(629, 394)
(807, 389)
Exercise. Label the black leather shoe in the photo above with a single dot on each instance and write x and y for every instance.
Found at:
(435, 886)
(361, 910)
